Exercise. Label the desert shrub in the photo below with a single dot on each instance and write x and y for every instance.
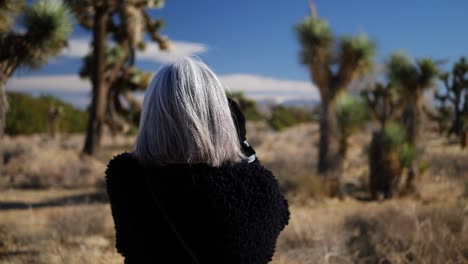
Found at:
(283, 117)
(428, 235)
(73, 120)
(48, 167)
(29, 115)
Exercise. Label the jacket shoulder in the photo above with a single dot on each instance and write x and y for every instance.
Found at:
(120, 161)
(119, 166)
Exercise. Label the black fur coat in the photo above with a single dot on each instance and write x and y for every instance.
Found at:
(228, 214)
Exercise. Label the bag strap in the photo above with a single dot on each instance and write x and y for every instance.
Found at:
(170, 223)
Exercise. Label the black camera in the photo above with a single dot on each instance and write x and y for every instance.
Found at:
(239, 122)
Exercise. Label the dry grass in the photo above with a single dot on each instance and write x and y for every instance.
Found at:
(431, 227)
(399, 231)
(78, 234)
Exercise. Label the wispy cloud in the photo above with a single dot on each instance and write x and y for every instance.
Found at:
(69, 88)
(179, 49)
(49, 83)
(79, 47)
(262, 87)
(76, 91)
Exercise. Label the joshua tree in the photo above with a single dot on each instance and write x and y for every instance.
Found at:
(333, 62)
(389, 152)
(455, 92)
(45, 27)
(412, 78)
(110, 66)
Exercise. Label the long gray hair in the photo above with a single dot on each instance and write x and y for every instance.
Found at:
(186, 118)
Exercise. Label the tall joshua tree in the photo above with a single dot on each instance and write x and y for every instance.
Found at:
(412, 79)
(389, 152)
(45, 27)
(118, 27)
(455, 93)
(333, 62)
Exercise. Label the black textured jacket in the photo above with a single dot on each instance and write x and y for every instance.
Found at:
(228, 214)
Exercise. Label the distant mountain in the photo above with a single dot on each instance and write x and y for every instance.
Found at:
(303, 103)
(265, 105)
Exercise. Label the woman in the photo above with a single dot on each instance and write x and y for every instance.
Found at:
(187, 193)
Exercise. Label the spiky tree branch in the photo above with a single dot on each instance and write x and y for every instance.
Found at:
(127, 34)
(47, 26)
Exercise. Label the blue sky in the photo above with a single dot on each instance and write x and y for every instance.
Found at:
(252, 46)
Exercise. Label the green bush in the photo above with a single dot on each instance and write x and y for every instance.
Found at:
(283, 117)
(29, 115)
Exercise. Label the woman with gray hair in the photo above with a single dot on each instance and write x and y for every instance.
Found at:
(187, 193)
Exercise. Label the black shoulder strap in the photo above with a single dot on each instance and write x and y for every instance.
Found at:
(170, 223)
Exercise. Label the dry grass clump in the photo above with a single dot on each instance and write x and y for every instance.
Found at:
(399, 231)
(48, 164)
(78, 234)
(68, 225)
(426, 235)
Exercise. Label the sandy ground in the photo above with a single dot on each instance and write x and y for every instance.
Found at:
(69, 221)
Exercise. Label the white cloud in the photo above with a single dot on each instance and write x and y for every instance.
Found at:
(261, 87)
(49, 83)
(69, 88)
(75, 90)
(79, 47)
(179, 49)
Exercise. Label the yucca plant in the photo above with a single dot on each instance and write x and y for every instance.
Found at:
(351, 113)
(333, 62)
(389, 154)
(46, 26)
(118, 30)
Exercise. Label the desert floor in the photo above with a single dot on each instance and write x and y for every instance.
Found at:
(53, 207)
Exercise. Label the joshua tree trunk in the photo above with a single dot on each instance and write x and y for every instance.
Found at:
(463, 139)
(384, 168)
(457, 124)
(330, 160)
(97, 110)
(412, 119)
(5, 72)
(3, 109)
(329, 140)
(412, 122)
